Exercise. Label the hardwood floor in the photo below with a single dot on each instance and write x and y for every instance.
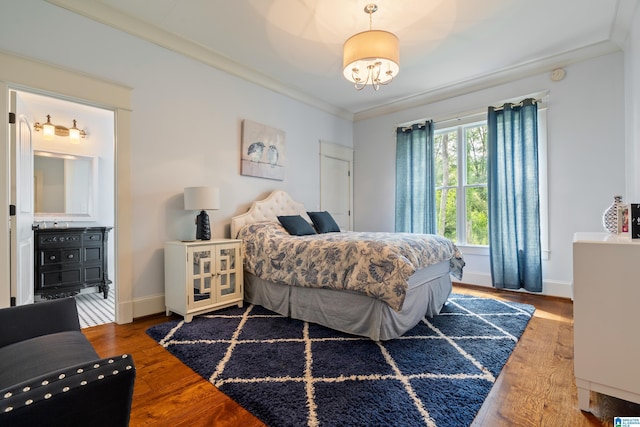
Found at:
(535, 388)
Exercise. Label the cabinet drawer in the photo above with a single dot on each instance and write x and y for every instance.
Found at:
(60, 277)
(92, 238)
(59, 256)
(60, 239)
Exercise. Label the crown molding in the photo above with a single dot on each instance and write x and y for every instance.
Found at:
(485, 81)
(98, 12)
(621, 25)
(115, 19)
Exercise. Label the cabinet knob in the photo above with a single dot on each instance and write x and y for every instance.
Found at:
(70, 256)
(52, 258)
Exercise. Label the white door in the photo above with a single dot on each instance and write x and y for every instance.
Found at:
(22, 245)
(336, 185)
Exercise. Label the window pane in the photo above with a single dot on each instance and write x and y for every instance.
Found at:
(477, 218)
(476, 142)
(446, 158)
(446, 207)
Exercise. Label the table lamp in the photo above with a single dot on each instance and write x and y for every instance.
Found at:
(202, 199)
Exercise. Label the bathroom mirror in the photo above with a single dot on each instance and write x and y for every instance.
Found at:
(64, 186)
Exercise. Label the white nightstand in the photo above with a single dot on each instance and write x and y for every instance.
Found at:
(202, 276)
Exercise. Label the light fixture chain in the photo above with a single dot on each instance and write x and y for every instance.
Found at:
(370, 8)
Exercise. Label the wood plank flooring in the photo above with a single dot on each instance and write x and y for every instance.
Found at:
(535, 388)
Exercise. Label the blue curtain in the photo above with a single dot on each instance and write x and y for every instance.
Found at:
(514, 203)
(415, 179)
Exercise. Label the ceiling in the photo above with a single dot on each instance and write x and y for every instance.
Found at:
(446, 46)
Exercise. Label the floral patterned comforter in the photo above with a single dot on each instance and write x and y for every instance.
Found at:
(375, 264)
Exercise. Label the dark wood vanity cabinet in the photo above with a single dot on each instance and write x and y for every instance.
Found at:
(69, 259)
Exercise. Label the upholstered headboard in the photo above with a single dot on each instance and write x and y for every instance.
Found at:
(277, 203)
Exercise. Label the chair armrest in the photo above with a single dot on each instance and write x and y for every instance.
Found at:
(33, 320)
(97, 393)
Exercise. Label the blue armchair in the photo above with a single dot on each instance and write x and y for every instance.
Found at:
(50, 375)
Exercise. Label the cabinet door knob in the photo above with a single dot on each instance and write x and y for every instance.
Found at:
(52, 258)
(70, 256)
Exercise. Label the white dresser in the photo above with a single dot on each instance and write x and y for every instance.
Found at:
(606, 312)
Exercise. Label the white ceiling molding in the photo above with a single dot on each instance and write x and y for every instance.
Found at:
(490, 80)
(115, 19)
(622, 23)
(618, 23)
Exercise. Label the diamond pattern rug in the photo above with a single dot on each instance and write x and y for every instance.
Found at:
(292, 373)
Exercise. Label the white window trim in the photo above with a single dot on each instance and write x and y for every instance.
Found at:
(461, 181)
(543, 189)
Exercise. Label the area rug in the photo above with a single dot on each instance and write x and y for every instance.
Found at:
(292, 373)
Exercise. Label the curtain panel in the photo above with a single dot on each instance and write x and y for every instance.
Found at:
(514, 203)
(415, 179)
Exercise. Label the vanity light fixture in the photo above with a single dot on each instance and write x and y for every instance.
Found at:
(49, 130)
(75, 134)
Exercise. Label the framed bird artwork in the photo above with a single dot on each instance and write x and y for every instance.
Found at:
(263, 151)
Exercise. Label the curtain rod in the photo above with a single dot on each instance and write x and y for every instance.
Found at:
(515, 104)
(539, 98)
(420, 126)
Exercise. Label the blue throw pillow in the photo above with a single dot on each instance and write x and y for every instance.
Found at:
(296, 225)
(324, 222)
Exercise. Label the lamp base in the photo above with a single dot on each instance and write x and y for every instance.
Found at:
(203, 229)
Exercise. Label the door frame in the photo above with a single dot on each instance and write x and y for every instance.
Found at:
(340, 152)
(19, 73)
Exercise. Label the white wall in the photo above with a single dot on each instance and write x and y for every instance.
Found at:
(586, 152)
(185, 128)
(632, 90)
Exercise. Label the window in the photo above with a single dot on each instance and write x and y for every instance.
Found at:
(461, 183)
(460, 157)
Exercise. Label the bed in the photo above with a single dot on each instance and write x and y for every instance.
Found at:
(386, 303)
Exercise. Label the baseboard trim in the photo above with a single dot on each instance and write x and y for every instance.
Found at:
(124, 312)
(148, 306)
(549, 287)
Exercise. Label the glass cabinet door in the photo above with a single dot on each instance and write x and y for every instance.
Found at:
(202, 274)
(228, 262)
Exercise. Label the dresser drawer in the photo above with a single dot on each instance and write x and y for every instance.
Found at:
(60, 239)
(60, 277)
(92, 239)
(59, 256)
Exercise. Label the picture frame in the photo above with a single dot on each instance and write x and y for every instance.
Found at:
(263, 151)
(623, 219)
(634, 220)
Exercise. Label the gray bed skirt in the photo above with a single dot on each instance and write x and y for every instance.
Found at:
(354, 313)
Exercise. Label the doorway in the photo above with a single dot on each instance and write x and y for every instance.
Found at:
(336, 183)
(78, 204)
(19, 72)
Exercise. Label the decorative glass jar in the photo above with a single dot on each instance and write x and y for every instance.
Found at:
(610, 216)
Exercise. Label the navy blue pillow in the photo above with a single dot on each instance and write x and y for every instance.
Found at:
(324, 222)
(296, 225)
